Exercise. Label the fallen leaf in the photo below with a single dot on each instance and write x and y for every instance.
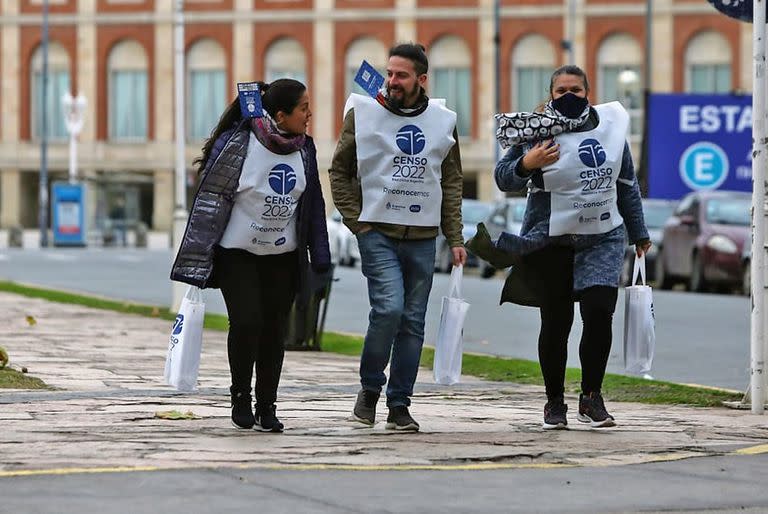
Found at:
(31, 320)
(174, 414)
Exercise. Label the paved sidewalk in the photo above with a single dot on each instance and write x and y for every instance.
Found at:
(107, 371)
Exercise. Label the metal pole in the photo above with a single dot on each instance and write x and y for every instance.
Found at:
(759, 161)
(497, 83)
(42, 216)
(180, 191)
(571, 24)
(647, 84)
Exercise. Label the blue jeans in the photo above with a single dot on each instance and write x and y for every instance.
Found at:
(399, 277)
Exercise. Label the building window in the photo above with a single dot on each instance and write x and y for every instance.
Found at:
(533, 61)
(285, 59)
(369, 49)
(128, 92)
(58, 85)
(206, 88)
(707, 64)
(620, 78)
(451, 69)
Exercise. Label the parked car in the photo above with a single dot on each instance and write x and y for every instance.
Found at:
(506, 216)
(703, 242)
(656, 213)
(472, 213)
(343, 243)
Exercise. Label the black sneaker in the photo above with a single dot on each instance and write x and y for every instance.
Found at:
(400, 419)
(365, 407)
(554, 415)
(592, 411)
(266, 419)
(242, 416)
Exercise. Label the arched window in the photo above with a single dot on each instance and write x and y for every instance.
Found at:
(708, 63)
(207, 93)
(128, 92)
(58, 84)
(450, 77)
(285, 59)
(366, 48)
(533, 61)
(620, 77)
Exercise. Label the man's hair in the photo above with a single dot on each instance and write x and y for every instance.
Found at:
(413, 52)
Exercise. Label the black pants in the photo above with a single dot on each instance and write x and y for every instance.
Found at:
(258, 291)
(553, 277)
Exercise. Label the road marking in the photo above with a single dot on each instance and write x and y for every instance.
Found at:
(293, 467)
(753, 450)
(59, 257)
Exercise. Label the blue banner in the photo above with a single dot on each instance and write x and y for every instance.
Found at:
(68, 216)
(698, 142)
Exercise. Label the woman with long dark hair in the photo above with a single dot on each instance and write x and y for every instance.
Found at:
(257, 220)
(583, 205)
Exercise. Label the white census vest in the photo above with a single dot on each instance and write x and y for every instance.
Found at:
(399, 161)
(582, 182)
(263, 219)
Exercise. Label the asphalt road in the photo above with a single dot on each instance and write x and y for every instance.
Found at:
(701, 338)
(715, 485)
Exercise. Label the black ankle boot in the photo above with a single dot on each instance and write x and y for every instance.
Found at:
(242, 417)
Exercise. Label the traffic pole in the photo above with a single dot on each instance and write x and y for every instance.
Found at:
(180, 189)
(759, 161)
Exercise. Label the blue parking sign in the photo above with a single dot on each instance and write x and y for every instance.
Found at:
(698, 142)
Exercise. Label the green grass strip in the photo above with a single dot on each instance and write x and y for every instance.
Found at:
(615, 387)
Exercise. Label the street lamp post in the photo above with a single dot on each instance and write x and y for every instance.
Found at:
(74, 113)
(42, 215)
(180, 191)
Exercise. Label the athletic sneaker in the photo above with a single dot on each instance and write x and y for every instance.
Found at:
(400, 419)
(266, 419)
(242, 416)
(365, 407)
(592, 410)
(554, 415)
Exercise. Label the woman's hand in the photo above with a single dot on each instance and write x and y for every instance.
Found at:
(542, 154)
(642, 247)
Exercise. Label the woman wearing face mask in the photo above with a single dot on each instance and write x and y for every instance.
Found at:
(583, 204)
(257, 213)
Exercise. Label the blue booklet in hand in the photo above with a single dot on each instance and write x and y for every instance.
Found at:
(250, 99)
(369, 79)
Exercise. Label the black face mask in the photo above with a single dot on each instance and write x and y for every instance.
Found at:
(570, 105)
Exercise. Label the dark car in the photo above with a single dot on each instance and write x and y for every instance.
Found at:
(472, 213)
(704, 241)
(656, 213)
(506, 216)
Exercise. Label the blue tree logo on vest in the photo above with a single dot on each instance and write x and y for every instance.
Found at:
(591, 153)
(411, 140)
(178, 325)
(282, 179)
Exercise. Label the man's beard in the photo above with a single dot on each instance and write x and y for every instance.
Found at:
(400, 101)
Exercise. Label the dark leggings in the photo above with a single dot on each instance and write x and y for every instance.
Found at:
(258, 291)
(553, 274)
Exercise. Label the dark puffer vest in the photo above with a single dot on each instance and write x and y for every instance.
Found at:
(213, 203)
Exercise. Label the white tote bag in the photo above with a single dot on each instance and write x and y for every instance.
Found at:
(639, 326)
(449, 345)
(186, 342)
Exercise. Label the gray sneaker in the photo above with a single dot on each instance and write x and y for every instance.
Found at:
(365, 407)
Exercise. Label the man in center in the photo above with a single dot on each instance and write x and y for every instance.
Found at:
(395, 178)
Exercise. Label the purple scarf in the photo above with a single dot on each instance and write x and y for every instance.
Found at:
(266, 132)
